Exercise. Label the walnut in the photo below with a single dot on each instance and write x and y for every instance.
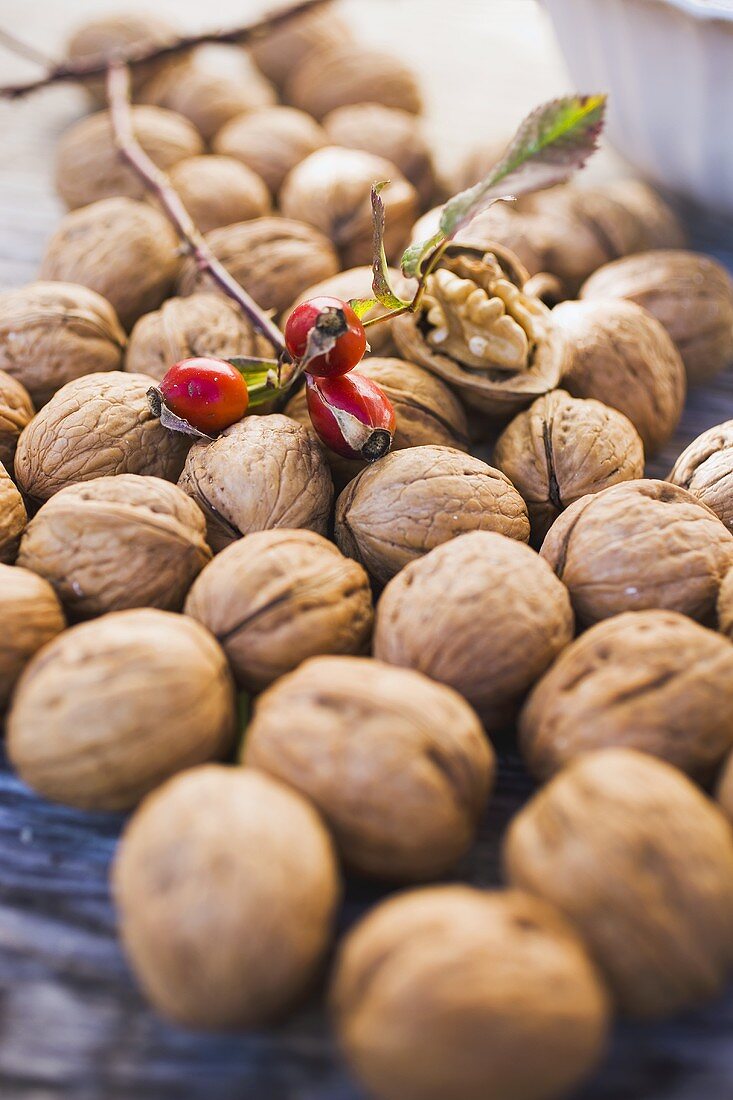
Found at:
(483, 614)
(705, 469)
(499, 225)
(619, 354)
(641, 544)
(476, 329)
(426, 412)
(51, 333)
(563, 447)
(16, 410)
(97, 425)
(281, 50)
(724, 791)
(89, 166)
(690, 294)
(112, 707)
(641, 863)
(452, 991)
(219, 191)
(226, 912)
(271, 141)
(413, 500)
(331, 188)
(339, 75)
(657, 224)
(398, 766)
(31, 616)
(153, 540)
(274, 598)
(274, 259)
(125, 250)
(263, 472)
(13, 517)
(105, 35)
(478, 162)
(202, 324)
(725, 605)
(649, 680)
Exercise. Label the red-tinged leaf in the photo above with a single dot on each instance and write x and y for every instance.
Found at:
(381, 285)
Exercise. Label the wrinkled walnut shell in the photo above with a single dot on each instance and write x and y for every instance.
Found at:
(281, 50)
(271, 141)
(13, 517)
(724, 791)
(338, 75)
(705, 469)
(31, 616)
(641, 863)
(16, 410)
(219, 191)
(725, 605)
(398, 766)
(275, 598)
(109, 33)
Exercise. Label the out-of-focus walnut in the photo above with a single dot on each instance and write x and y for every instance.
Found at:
(278, 52)
(500, 224)
(478, 162)
(51, 333)
(483, 614)
(274, 259)
(13, 517)
(452, 991)
(113, 707)
(97, 425)
(225, 912)
(123, 249)
(263, 472)
(657, 224)
(88, 163)
(219, 191)
(16, 410)
(398, 766)
(274, 598)
(621, 355)
(202, 324)
(497, 346)
(271, 141)
(724, 791)
(330, 189)
(386, 132)
(426, 412)
(563, 447)
(339, 75)
(649, 680)
(641, 544)
(641, 863)
(725, 605)
(117, 542)
(413, 500)
(690, 294)
(109, 33)
(705, 469)
(31, 616)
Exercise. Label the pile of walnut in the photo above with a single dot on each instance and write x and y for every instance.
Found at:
(147, 580)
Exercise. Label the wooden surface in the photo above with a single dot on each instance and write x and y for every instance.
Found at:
(71, 1022)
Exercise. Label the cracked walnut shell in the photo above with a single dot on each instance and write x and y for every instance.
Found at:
(270, 142)
(641, 863)
(31, 616)
(398, 766)
(16, 411)
(499, 225)
(13, 517)
(219, 191)
(705, 469)
(347, 73)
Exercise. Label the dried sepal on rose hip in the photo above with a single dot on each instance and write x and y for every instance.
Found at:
(352, 415)
(326, 336)
(200, 396)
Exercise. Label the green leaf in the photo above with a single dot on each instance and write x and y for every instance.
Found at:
(381, 284)
(261, 376)
(415, 255)
(361, 306)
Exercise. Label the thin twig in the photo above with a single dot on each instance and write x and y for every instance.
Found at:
(96, 66)
(24, 49)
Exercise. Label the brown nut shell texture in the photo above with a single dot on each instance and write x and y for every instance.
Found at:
(455, 992)
(348, 72)
(724, 792)
(274, 598)
(117, 542)
(109, 33)
(226, 886)
(279, 52)
(31, 616)
(219, 191)
(725, 605)
(13, 517)
(638, 545)
(270, 142)
(483, 614)
(641, 863)
(16, 411)
(705, 469)
(411, 501)
(398, 766)
(112, 707)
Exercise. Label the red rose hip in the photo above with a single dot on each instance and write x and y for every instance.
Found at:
(326, 320)
(210, 394)
(351, 415)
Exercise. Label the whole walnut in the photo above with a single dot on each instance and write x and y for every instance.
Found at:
(426, 412)
(450, 991)
(649, 680)
(562, 448)
(641, 544)
(341, 74)
(330, 189)
(51, 333)
(31, 616)
(405, 505)
(279, 51)
(705, 469)
(641, 863)
(89, 166)
(97, 425)
(690, 294)
(270, 141)
(499, 225)
(117, 542)
(274, 598)
(125, 250)
(621, 355)
(261, 473)
(109, 33)
(226, 912)
(13, 517)
(16, 410)
(274, 259)
(398, 766)
(202, 324)
(219, 191)
(657, 223)
(113, 707)
(482, 613)
(725, 605)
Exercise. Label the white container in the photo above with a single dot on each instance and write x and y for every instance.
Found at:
(668, 68)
